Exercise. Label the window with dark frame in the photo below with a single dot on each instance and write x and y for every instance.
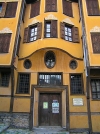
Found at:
(35, 9)
(50, 29)
(95, 37)
(51, 5)
(93, 7)
(5, 77)
(0, 7)
(23, 83)
(32, 33)
(76, 84)
(95, 88)
(69, 32)
(50, 79)
(67, 8)
(5, 42)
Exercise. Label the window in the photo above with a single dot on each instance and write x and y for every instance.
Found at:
(49, 59)
(51, 5)
(67, 8)
(35, 9)
(0, 7)
(4, 42)
(4, 79)
(73, 64)
(32, 33)
(50, 79)
(27, 64)
(95, 37)
(8, 10)
(50, 29)
(23, 83)
(93, 7)
(76, 84)
(69, 33)
(95, 88)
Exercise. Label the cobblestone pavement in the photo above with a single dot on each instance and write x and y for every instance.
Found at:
(6, 129)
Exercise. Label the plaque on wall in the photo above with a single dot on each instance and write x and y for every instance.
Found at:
(77, 101)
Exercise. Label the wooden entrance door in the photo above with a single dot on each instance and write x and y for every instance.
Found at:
(50, 109)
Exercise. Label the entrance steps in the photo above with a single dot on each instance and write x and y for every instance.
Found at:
(50, 130)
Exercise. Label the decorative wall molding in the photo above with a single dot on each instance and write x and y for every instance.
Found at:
(6, 30)
(51, 17)
(95, 29)
(34, 21)
(68, 21)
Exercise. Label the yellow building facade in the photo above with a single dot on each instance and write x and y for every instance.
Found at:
(49, 64)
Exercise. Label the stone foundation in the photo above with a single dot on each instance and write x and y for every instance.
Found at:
(20, 120)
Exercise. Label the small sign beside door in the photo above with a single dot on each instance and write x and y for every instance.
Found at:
(77, 101)
(45, 105)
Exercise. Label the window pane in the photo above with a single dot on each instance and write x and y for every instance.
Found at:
(32, 30)
(35, 38)
(66, 28)
(31, 39)
(36, 29)
(0, 7)
(47, 34)
(70, 39)
(69, 29)
(32, 34)
(35, 33)
(66, 33)
(66, 38)
(47, 30)
(48, 26)
(69, 34)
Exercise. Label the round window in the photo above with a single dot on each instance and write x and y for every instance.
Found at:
(73, 64)
(49, 59)
(27, 64)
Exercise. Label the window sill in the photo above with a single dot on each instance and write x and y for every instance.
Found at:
(95, 99)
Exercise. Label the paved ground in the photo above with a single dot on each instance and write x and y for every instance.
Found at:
(6, 129)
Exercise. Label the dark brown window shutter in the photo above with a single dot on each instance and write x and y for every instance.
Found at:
(92, 7)
(75, 33)
(62, 30)
(26, 35)
(95, 37)
(67, 8)
(11, 9)
(54, 6)
(19, 40)
(1, 42)
(2, 14)
(39, 30)
(47, 5)
(54, 28)
(35, 9)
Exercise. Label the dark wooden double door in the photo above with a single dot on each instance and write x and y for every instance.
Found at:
(50, 109)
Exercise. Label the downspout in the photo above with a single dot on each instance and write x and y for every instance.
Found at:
(14, 55)
(87, 65)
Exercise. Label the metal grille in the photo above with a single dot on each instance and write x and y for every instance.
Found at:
(5, 79)
(27, 64)
(73, 64)
(95, 87)
(76, 84)
(23, 83)
(50, 79)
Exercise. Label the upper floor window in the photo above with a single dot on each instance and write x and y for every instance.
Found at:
(23, 83)
(51, 5)
(35, 9)
(76, 84)
(95, 37)
(8, 10)
(4, 79)
(4, 42)
(67, 8)
(32, 33)
(69, 33)
(50, 79)
(95, 88)
(50, 29)
(0, 7)
(93, 7)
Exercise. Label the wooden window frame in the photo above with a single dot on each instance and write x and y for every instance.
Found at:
(82, 84)
(75, 32)
(17, 89)
(94, 78)
(93, 47)
(51, 73)
(51, 28)
(51, 6)
(7, 80)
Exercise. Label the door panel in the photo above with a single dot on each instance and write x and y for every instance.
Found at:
(50, 109)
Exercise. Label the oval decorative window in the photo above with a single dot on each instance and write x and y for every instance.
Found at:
(27, 64)
(50, 59)
(73, 64)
